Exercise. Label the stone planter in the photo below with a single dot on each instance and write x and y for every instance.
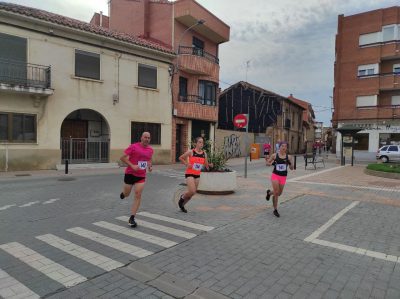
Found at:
(217, 182)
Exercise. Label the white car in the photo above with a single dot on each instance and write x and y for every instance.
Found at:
(389, 153)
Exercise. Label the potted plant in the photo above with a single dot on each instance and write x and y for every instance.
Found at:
(218, 179)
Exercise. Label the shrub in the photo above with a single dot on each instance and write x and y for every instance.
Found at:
(387, 167)
(217, 157)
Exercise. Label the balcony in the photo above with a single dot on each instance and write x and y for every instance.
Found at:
(390, 50)
(188, 12)
(196, 107)
(196, 61)
(378, 112)
(25, 78)
(389, 81)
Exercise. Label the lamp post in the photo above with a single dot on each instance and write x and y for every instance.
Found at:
(199, 22)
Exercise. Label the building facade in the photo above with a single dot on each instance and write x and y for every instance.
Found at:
(194, 34)
(308, 137)
(367, 78)
(70, 90)
(272, 117)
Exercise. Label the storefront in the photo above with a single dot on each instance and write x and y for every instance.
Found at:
(373, 135)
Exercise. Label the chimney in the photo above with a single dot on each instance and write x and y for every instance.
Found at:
(101, 18)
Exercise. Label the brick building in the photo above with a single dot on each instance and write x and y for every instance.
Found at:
(194, 34)
(308, 136)
(367, 78)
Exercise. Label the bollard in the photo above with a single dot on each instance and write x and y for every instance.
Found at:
(66, 166)
(294, 166)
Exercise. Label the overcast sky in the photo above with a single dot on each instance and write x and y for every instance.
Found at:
(290, 44)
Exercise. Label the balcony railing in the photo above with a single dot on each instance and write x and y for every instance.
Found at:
(191, 98)
(183, 50)
(24, 74)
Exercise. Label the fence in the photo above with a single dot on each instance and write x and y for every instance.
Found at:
(81, 150)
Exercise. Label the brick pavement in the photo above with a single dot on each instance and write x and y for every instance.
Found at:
(252, 254)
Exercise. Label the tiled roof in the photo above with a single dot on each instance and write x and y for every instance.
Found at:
(79, 25)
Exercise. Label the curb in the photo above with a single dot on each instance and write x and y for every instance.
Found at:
(382, 174)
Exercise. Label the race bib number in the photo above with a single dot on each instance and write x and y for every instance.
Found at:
(142, 164)
(281, 167)
(197, 166)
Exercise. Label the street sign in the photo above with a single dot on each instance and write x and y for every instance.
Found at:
(240, 121)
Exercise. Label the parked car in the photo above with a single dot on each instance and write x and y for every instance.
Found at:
(389, 153)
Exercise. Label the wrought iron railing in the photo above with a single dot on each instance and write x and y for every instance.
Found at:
(83, 150)
(24, 74)
(198, 52)
(192, 98)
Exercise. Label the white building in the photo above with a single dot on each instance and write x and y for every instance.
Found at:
(72, 90)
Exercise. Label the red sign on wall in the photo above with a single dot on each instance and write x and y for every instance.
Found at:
(240, 121)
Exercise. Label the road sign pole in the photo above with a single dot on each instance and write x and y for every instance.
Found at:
(247, 145)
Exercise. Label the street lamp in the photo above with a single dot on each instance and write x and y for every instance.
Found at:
(198, 22)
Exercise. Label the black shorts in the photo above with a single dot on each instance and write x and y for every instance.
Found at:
(192, 175)
(266, 153)
(130, 179)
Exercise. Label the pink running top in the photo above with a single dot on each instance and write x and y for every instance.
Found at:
(139, 155)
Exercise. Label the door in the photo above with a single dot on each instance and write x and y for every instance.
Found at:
(200, 129)
(74, 134)
(393, 152)
(178, 142)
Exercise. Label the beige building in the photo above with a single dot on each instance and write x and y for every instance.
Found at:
(73, 90)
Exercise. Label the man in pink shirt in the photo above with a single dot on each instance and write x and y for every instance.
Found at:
(138, 158)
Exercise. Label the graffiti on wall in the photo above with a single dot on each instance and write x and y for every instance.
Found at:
(232, 146)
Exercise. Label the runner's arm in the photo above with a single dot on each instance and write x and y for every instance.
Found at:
(184, 157)
(150, 166)
(271, 159)
(290, 162)
(125, 159)
(206, 164)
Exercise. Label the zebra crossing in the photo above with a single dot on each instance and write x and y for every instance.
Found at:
(171, 173)
(63, 273)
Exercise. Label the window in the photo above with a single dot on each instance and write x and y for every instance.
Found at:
(137, 129)
(393, 148)
(3, 126)
(389, 139)
(17, 127)
(198, 46)
(388, 33)
(365, 101)
(369, 38)
(361, 141)
(368, 70)
(208, 92)
(12, 48)
(396, 68)
(183, 82)
(147, 76)
(87, 65)
(395, 101)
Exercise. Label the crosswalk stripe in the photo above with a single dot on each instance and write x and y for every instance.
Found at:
(110, 242)
(50, 201)
(162, 228)
(89, 256)
(12, 288)
(29, 204)
(6, 207)
(177, 221)
(37, 261)
(135, 234)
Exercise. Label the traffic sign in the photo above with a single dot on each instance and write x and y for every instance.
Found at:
(240, 121)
